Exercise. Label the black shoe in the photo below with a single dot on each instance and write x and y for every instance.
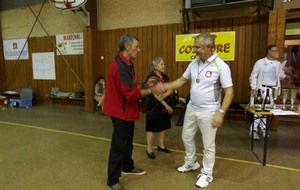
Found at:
(150, 155)
(165, 150)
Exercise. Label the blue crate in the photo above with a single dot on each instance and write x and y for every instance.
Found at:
(23, 103)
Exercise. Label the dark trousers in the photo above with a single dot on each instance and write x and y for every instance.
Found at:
(120, 156)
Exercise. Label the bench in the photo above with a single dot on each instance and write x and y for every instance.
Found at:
(64, 99)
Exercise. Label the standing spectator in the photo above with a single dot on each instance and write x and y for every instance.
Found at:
(158, 111)
(208, 75)
(99, 92)
(122, 105)
(267, 73)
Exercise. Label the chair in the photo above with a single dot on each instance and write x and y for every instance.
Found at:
(25, 100)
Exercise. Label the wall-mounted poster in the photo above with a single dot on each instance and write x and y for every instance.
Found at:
(13, 48)
(224, 46)
(69, 44)
(43, 65)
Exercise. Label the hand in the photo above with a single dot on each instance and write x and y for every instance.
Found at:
(169, 109)
(158, 97)
(158, 88)
(285, 69)
(218, 120)
(151, 82)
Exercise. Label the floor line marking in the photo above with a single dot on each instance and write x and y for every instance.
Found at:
(142, 145)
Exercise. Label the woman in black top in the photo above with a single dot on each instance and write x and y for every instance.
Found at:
(158, 110)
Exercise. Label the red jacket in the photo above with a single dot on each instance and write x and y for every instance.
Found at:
(122, 93)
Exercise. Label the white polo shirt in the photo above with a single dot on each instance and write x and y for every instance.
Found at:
(213, 75)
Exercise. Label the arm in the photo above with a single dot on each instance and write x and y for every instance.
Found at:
(169, 108)
(176, 84)
(219, 117)
(96, 90)
(253, 78)
(145, 92)
(282, 70)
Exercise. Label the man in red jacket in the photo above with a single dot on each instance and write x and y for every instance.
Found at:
(122, 105)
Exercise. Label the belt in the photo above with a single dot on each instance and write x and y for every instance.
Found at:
(267, 86)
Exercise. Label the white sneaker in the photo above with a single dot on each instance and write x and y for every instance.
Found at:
(203, 180)
(255, 135)
(186, 168)
(264, 133)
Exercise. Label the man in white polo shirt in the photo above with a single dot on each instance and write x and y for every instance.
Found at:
(266, 73)
(208, 75)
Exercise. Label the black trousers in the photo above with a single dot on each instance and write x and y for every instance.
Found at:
(120, 156)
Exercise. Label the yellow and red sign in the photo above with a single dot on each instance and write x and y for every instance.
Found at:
(224, 46)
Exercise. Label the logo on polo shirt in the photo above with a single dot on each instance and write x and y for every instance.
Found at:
(208, 74)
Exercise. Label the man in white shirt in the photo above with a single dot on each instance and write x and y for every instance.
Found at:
(267, 73)
(208, 75)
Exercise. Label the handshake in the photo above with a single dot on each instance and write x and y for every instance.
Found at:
(155, 86)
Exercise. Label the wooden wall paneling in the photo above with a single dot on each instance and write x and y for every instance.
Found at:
(238, 51)
(280, 33)
(170, 50)
(178, 73)
(106, 47)
(144, 44)
(89, 103)
(101, 49)
(149, 54)
(222, 25)
(160, 45)
(97, 52)
(100, 66)
(110, 47)
(248, 48)
(101, 45)
(238, 82)
(165, 42)
(155, 42)
(209, 26)
(194, 28)
(139, 33)
(272, 27)
(255, 44)
(215, 26)
(228, 25)
(2, 62)
(203, 26)
(171, 64)
(264, 36)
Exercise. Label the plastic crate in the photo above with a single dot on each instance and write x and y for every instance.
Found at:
(21, 103)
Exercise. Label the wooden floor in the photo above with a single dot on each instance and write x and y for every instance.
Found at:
(59, 147)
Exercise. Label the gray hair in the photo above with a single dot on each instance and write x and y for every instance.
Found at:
(155, 61)
(126, 39)
(206, 39)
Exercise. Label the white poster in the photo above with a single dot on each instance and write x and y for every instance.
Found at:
(43, 65)
(69, 44)
(13, 48)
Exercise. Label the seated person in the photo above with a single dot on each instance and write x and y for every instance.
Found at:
(99, 92)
